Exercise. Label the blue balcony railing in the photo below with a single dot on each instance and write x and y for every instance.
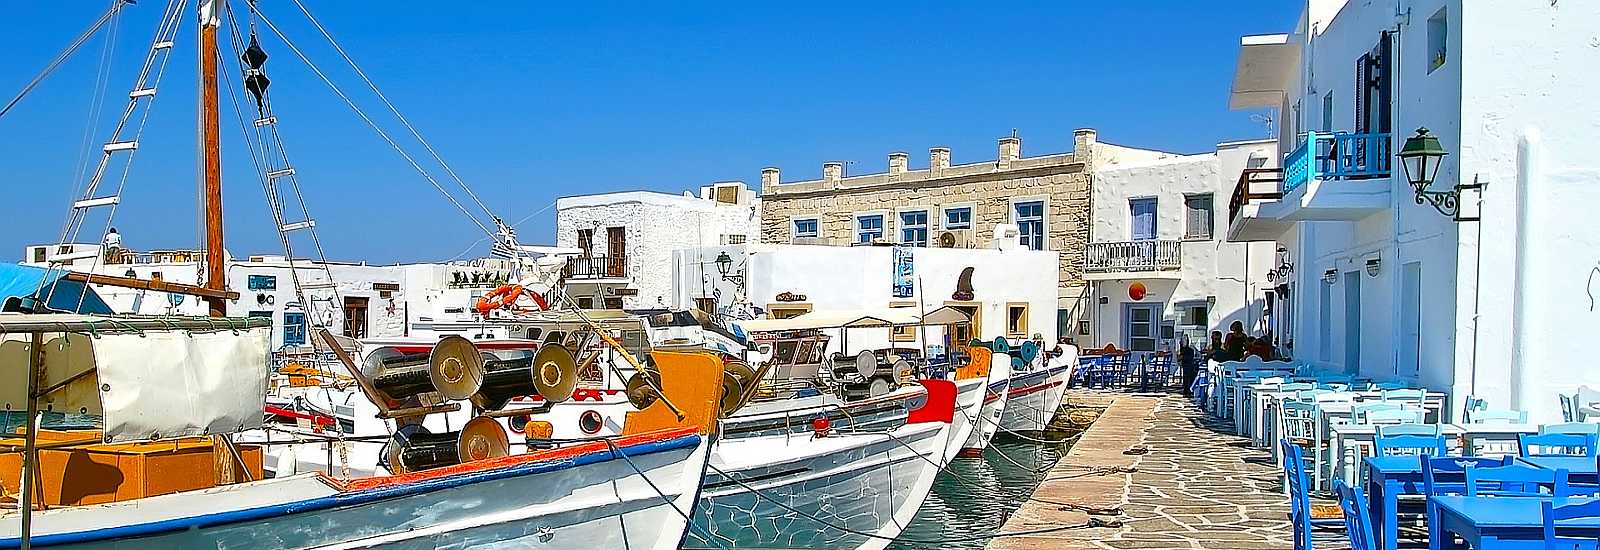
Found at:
(1333, 156)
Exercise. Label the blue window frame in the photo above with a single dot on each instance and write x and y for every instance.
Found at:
(869, 228)
(1142, 213)
(805, 228)
(1029, 217)
(914, 228)
(262, 282)
(958, 218)
(294, 328)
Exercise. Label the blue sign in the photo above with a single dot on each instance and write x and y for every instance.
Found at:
(904, 275)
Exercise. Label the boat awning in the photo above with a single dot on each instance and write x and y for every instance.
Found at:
(857, 318)
(20, 281)
(1266, 69)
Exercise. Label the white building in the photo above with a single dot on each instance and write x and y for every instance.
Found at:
(1012, 293)
(1383, 283)
(625, 240)
(1158, 265)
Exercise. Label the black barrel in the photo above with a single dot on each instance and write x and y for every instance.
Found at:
(504, 379)
(424, 451)
(402, 384)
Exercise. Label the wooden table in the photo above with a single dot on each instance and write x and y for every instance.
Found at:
(1495, 523)
(1580, 469)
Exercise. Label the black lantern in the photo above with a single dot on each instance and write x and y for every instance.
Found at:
(1421, 158)
(724, 263)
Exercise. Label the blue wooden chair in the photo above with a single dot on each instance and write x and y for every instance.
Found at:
(1201, 388)
(1514, 480)
(1556, 444)
(1408, 439)
(1357, 525)
(1308, 529)
(1552, 514)
(1487, 416)
(1571, 428)
(1446, 475)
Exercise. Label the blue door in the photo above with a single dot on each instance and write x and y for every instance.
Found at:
(294, 328)
(1142, 218)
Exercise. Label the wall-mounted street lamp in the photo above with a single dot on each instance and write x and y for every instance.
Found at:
(1421, 158)
(725, 267)
(1330, 276)
(1374, 266)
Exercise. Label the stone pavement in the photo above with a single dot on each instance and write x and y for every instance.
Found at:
(1193, 489)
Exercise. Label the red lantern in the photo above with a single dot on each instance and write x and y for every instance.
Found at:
(1137, 291)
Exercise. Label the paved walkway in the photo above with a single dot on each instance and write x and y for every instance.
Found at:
(1193, 489)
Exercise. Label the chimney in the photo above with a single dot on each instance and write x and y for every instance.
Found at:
(831, 172)
(769, 179)
(1083, 141)
(898, 161)
(1010, 149)
(938, 159)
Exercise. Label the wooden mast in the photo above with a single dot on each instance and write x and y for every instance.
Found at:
(211, 173)
(211, 146)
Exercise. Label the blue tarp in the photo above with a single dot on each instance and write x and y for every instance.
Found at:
(22, 281)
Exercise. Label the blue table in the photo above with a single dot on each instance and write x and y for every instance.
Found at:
(1580, 469)
(1388, 477)
(1492, 523)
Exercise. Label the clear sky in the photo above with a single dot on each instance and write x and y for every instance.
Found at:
(531, 101)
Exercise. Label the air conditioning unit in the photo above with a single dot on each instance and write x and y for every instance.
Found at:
(955, 238)
(1005, 236)
(807, 240)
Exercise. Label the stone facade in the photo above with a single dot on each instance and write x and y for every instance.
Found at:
(1062, 180)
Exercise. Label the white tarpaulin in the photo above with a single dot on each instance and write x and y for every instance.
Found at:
(166, 384)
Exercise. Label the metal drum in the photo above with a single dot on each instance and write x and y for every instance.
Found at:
(415, 450)
(551, 373)
(453, 368)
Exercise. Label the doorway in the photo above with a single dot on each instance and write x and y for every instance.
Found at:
(355, 317)
(1352, 322)
(1139, 326)
(616, 251)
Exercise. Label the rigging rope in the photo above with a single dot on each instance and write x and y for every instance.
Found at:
(612, 445)
(373, 124)
(116, 6)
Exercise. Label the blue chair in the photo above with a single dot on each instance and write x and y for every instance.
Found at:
(1358, 413)
(1446, 475)
(1405, 395)
(1552, 513)
(1571, 428)
(1514, 480)
(1556, 444)
(1416, 439)
(1487, 416)
(1356, 519)
(1307, 529)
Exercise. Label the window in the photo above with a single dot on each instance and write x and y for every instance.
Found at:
(1327, 112)
(1029, 217)
(585, 242)
(1193, 314)
(962, 334)
(869, 228)
(728, 194)
(585, 302)
(39, 254)
(914, 228)
(787, 311)
(262, 282)
(294, 328)
(355, 316)
(805, 228)
(613, 302)
(1198, 216)
(1438, 39)
(1017, 320)
(902, 333)
(1142, 218)
(1083, 327)
(958, 218)
(733, 239)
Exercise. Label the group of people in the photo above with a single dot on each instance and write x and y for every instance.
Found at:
(1234, 346)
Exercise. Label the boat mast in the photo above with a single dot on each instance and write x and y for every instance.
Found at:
(211, 155)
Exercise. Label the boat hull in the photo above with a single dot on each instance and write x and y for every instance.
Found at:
(565, 500)
(1033, 398)
(987, 422)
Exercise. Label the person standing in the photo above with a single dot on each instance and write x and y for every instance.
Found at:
(1189, 366)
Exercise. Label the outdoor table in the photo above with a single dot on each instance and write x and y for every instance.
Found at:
(1333, 413)
(1494, 431)
(1493, 523)
(1266, 400)
(1580, 469)
(1388, 477)
(1351, 435)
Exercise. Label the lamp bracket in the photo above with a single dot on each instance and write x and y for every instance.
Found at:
(1449, 202)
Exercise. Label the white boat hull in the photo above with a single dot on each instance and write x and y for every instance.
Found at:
(567, 500)
(987, 422)
(1033, 399)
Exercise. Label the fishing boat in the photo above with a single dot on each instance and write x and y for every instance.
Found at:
(1035, 391)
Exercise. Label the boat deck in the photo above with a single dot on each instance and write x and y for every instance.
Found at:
(1192, 489)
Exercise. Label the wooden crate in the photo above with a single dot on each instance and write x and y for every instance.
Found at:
(101, 473)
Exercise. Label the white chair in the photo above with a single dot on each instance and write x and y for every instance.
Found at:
(1586, 398)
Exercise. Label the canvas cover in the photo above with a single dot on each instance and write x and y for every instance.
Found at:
(161, 385)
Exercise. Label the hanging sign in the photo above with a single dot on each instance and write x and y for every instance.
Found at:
(903, 273)
(1137, 291)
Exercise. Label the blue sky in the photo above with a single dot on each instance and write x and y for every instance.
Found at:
(530, 102)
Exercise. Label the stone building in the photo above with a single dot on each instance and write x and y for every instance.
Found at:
(625, 240)
(1046, 198)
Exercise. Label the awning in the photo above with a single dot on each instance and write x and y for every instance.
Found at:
(856, 318)
(19, 281)
(1266, 69)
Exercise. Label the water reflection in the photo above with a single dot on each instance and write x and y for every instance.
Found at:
(974, 497)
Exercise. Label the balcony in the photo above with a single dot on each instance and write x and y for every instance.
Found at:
(1322, 180)
(1148, 258)
(595, 267)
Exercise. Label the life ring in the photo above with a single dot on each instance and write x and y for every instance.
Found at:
(505, 296)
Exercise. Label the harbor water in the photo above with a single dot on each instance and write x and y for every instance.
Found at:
(974, 496)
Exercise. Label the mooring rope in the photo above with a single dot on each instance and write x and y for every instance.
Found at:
(664, 498)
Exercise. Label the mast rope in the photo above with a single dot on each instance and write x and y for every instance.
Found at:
(392, 109)
(373, 124)
(66, 53)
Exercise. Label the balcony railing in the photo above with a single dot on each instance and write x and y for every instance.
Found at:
(1148, 255)
(1255, 184)
(596, 267)
(1332, 156)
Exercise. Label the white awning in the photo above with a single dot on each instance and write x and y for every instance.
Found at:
(162, 385)
(1266, 69)
(856, 318)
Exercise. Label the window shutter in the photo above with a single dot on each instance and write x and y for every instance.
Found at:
(1385, 78)
(1362, 71)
